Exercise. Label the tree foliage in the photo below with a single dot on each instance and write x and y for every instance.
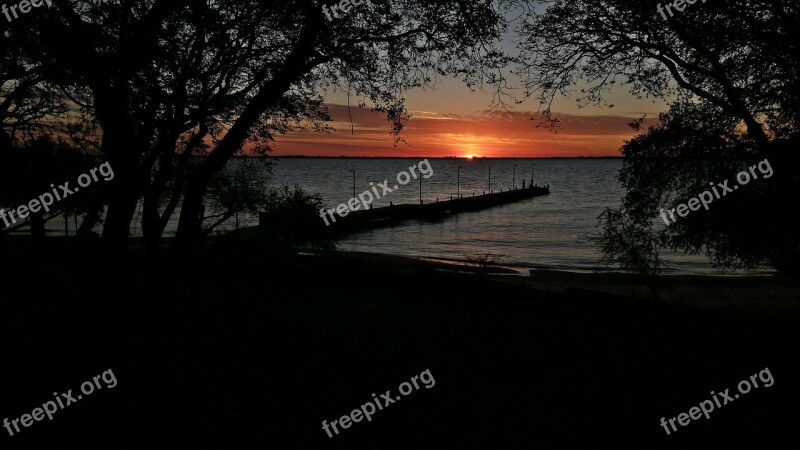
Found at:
(732, 73)
(166, 80)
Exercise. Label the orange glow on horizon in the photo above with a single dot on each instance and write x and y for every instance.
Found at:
(510, 134)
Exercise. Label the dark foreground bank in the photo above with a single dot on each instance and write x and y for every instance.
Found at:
(233, 349)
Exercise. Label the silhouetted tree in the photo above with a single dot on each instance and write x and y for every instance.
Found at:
(31, 169)
(29, 106)
(739, 56)
(169, 79)
(691, 151)
(241, 188)
(290, 218)
(731, 70)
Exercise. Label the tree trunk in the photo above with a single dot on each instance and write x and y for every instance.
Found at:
(151, 219)
(125, 192)
(89, 221)
(269, 95)
(37, 227)
(120, 215)
(123, 147)
(6, 145)
(191, 219)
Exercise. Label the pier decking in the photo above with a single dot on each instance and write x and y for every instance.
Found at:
(391, 215)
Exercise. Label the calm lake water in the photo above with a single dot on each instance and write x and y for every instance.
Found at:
(543, 232)
(538, 233)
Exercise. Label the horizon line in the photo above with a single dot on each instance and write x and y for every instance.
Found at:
(428, 157)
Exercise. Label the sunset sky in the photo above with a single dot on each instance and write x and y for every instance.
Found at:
(452, 121)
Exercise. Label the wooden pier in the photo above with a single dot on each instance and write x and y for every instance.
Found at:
(391, 215)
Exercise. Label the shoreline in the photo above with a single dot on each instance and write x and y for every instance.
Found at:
(521, 267)
(771, 295)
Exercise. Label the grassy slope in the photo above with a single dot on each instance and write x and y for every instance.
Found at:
(235, 350)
